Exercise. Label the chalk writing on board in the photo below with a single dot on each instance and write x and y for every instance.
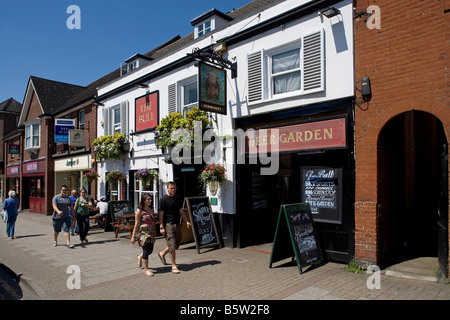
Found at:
(320, 189)
(202, 218)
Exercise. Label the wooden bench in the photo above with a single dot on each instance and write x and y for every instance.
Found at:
(124, 221)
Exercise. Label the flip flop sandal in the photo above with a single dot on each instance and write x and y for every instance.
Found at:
(163, 259)
(175, 270)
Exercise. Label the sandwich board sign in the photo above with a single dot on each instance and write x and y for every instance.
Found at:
(296, 236)
(202, 220)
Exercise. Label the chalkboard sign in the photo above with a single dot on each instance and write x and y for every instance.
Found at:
(203, 225)
(296, 236)
(321, 187)
(116, 208)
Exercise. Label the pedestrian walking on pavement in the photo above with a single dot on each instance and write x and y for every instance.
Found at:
(82, 205)
(170, 210)
(11, 206)
(73, 197)
(61, 205)
(145, 230)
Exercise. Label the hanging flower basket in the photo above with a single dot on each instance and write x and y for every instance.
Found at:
(146, 175)
(110, 147)
(90, 176)
(213, 176)
(114, 176)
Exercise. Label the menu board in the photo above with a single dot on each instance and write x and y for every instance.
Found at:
(295, 223)
(321, 187)
(116, 208)
(203, 225)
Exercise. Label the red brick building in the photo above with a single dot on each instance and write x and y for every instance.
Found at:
(43, 98)
(401, 131)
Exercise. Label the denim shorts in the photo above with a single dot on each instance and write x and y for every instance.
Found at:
(64, 222)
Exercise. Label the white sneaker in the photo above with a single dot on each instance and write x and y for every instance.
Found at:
(69, 245)
(54, 243)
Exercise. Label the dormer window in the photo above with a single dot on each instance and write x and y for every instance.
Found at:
(209, 21)
(134, 62)
(204, 28)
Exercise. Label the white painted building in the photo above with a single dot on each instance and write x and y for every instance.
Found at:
(294, 66)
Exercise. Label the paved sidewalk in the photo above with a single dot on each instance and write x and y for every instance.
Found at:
(109, 271)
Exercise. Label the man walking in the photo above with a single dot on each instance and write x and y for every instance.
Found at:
(170, 211)
(61, 218)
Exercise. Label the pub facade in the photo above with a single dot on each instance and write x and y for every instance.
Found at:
(287, 69)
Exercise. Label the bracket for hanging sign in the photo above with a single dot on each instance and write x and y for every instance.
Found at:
(212, 57)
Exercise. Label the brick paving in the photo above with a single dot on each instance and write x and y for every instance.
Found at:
(109, 271)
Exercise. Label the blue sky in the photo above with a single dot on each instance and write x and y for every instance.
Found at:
(35, 40)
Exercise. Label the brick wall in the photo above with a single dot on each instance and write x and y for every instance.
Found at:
(407, 61)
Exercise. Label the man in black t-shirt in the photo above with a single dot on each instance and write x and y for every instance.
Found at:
(170, 211)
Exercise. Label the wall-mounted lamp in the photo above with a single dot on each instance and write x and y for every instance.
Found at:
(330, 12)
(142, 86)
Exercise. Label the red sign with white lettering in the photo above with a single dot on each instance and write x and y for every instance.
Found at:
(147, 111)
(307, 136)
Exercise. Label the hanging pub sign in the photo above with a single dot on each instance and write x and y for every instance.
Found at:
(321, 188)
(212, 89)
(62, 127)
(147, 111)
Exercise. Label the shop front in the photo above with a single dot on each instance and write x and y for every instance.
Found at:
(315, 166)
(33, 186)
(13, 180)
(69, 171)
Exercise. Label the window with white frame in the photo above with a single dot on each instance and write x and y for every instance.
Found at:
(139, 190)
(32, 135)
(189, 96)
(183, 96)
(285, 71)
(81, 120)
(293, 69)
(115, 119)
(204, 28)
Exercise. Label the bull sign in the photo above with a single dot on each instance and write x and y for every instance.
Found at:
(212, 89)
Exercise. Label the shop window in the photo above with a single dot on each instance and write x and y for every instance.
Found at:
(37, 189)
(293, 69)
(32, 136)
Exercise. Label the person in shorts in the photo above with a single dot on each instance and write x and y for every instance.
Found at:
(61, 219)
(170, 211)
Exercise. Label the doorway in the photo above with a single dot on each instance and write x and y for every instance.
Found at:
(412, 177)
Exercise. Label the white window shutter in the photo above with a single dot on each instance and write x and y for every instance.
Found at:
(255, 76)
(124, 117)
(172, 98)
(313, 57)
(106, 112)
